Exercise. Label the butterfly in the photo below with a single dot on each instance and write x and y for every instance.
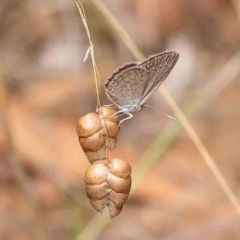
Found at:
(132, 84)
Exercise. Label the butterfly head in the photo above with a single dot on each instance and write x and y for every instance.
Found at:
(134, 108)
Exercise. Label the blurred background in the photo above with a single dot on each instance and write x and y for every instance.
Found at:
(48, 87)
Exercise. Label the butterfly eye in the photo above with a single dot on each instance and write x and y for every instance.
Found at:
(138, 108)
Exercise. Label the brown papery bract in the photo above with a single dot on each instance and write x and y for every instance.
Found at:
(108, 183)
(97, 132)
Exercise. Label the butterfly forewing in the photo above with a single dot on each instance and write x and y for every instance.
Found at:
(159, 65)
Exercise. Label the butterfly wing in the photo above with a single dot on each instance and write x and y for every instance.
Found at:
(133, 83)
(158, 66)
(126, 86)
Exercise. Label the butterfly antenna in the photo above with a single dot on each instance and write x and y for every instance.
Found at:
(159, 111)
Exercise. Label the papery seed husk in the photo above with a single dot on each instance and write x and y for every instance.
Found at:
(110, 129)
(98, 205)
(88, 125)
(119, 168)
(119, 185)
(96, 174)
(111, 143)
(118, 199)
(96, 156)
(92, 143)
(98, 192)
(113, 210)
(106, 187)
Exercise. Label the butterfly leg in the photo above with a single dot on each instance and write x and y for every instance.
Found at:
(122, 111)
(109, 105)
(121, 115)
(129, 116)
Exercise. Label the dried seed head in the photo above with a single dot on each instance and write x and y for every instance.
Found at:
(108, 183)
(97, 132)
